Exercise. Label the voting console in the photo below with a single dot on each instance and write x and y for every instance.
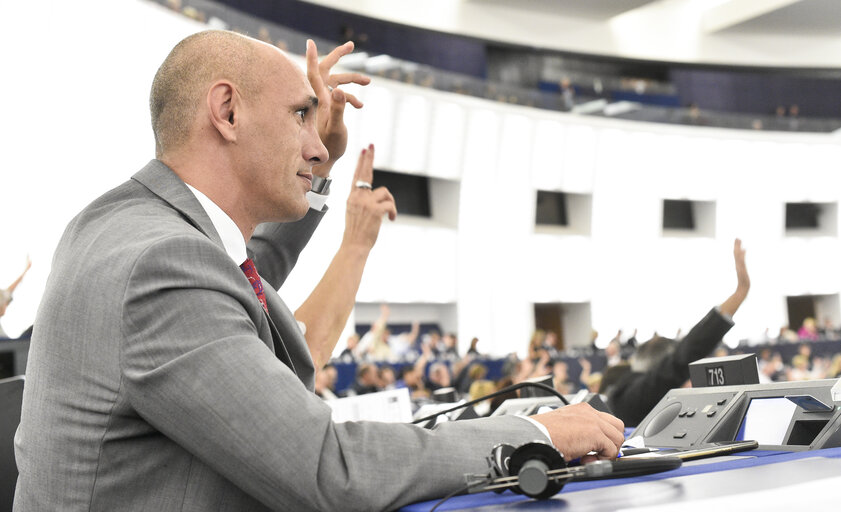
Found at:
(791, 416)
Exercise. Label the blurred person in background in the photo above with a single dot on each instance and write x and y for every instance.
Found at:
(467, 373)
(567, 94)
(374, 343)
(367, 379)
(386, 377)
(411, 377)
(536, 344)
(6, 295)
(787, 335)
(613, 352)
(552, 345)
(402, 344)
(828, 330)
(439, 376)
(325, 382)
(560, 378)
(350, 353)
(799, 369)
(448, 347)
(834, 370)
(808, 330)
(474, 348)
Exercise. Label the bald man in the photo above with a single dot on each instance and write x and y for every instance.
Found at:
(166, 374)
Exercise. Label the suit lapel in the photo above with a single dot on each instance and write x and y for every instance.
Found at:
(163, 182)
(279, 347)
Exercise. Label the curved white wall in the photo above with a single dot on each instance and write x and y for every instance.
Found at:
(79, 125)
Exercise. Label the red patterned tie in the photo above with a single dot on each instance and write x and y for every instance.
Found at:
(256, 283)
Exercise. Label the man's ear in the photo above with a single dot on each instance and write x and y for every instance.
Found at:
(224, 109)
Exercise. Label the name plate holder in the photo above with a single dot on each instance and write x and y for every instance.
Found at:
(724, 371)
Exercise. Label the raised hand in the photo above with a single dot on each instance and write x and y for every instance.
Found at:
(731, 305)
(743, 279)
(331, 100)
(366, 207)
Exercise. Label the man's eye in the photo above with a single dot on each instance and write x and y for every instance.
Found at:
(302, 113)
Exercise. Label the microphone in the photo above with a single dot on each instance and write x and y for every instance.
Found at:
(502, 391)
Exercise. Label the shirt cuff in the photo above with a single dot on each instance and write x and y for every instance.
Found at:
(317, 201)
(540, 427)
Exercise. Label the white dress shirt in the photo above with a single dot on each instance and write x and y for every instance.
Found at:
(230, 234)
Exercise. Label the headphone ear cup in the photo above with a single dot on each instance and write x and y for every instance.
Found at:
(501, 458)
(534, 460)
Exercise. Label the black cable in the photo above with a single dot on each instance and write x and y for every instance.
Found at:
(502, 391)
(624, 468)
(457, 491)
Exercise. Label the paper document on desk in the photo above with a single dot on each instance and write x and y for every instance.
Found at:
(392, 406)
(815, 493)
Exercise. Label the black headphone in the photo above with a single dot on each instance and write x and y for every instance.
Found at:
(539, 471)
(531, 464)
(528, 467)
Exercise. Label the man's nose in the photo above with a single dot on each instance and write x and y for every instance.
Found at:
(314, 150)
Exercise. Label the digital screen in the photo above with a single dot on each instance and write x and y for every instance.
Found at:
(766, 420)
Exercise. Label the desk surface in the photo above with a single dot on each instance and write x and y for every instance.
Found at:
(696, 480)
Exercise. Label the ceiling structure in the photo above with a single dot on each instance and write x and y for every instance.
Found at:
(588, 9)
(771, 33)
(797, 18)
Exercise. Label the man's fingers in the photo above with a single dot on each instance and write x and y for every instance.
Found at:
(390, 208)
(738, 252)
(613, 420)
(333, 57)
(606, 442)
(359, 163)
(313, 73)
(386, 202)
(586, 459)
(353, 100)
(616, 437)
(338, 79)
(337, 106)
(365, 165)
(382, 194)
(368, 169)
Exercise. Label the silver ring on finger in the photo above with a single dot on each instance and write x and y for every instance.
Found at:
(363, 184)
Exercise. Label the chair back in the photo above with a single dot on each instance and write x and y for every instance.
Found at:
(11, 396)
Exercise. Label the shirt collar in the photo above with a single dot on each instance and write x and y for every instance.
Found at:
(228, 231)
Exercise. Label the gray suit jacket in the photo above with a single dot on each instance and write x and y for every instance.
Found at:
(157, 383)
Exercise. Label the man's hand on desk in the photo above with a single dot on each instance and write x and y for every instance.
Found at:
(578, 429)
